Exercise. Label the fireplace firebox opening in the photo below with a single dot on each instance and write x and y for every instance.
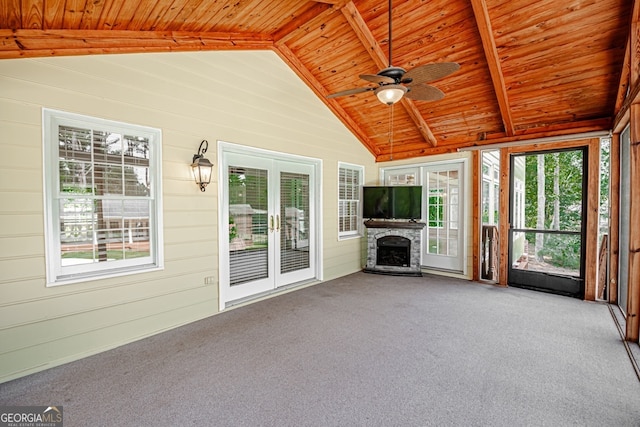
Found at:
(393, 251)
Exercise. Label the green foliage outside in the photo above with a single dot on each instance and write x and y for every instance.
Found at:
(560, 250)
(436, 212)
(233, 230)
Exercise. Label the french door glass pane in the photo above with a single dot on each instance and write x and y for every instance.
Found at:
(248, 225)
(443, 204)
(294, 222)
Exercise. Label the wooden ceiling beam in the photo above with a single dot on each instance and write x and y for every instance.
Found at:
(354, 18)
(622, 117)
(634, 43)
(403, 154)
(292, 60)
(38, 43)
(481, 13)
(558, 130)
(629, 87)
(417, 118)
(623, 86)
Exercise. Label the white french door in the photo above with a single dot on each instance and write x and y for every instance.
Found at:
(270, 237)
(443, 236)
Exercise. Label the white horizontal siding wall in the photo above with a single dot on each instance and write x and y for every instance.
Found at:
(248, 98)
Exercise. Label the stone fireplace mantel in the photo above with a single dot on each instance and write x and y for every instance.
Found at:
(399, 256)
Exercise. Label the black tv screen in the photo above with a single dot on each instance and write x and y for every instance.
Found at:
(392, 202)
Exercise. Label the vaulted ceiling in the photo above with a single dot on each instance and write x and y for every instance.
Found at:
(528, 68)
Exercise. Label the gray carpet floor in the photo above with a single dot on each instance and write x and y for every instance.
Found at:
(363, 350)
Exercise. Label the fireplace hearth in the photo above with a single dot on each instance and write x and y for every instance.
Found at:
(393, 247)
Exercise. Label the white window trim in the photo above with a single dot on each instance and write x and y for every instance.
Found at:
(56, 274)
(358, 232)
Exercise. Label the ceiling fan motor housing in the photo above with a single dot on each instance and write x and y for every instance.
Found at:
(395, 73)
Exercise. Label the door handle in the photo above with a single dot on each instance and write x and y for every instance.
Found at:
(271, 226)
(277, 222)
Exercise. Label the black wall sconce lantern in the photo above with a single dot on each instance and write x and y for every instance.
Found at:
(201, 166)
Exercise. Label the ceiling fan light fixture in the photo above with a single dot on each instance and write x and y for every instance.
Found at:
(390, 94)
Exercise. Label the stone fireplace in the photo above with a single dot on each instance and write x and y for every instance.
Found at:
(393, 247)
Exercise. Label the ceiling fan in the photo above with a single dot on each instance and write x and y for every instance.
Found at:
(395, 82)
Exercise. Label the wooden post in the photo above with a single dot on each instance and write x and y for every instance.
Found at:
(633, 295)
(476, 161)
(593, 205)
(503, 219)
(633, 305)
(614, 217)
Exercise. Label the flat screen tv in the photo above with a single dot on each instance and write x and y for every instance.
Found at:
(392, 202)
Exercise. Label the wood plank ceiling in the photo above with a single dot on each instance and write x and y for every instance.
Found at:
(529, 68)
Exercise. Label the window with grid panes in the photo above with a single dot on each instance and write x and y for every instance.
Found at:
(102, 197)
(349, 193)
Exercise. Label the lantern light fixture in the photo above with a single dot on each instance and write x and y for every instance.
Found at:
(201, 166)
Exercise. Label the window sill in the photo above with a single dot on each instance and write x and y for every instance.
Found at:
(90, 277)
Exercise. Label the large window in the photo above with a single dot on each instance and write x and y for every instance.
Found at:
(349, 191)
(102, 197)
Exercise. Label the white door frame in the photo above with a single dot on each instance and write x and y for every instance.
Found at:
(225, 148)
(458, 263)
